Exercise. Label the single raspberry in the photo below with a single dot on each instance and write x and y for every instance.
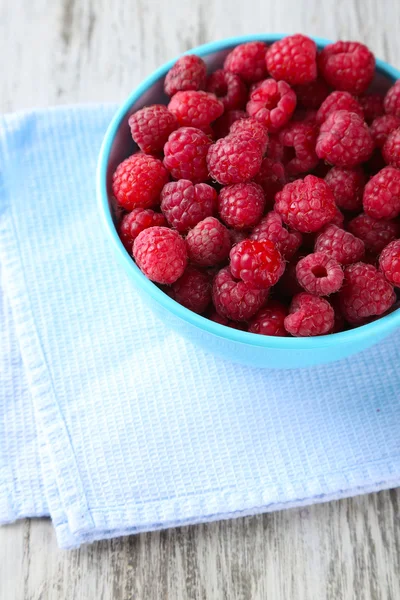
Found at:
(138, 181)
(151, 127)
(237, 235)
(195, 109)
(344, 140)
(311, 95)
(306, 204)
(294, 59)
(391, 103)
(372, 105)
(298, 141)
(347, 66)
(228, 88)
(271, 177)
(391, 149)
(271, 228)
(214, 316)
(347, 186)
(184, 204)
(376, 234)
(341, 245)
(208, 243)
(248, 61)
(338, 101)
(135, 222)
(309, 315)
(389, 262)
(381, 127)
(381, 198)
(319, 274)
(192, 289)
(365, 293)
(257, 263)
(234, 160)
(236, 300)
(185, 154)
(242, 205)
(160, 253)
(223, 124)
(270, 320)
(248, 129)
(272, 103)
(188, 73)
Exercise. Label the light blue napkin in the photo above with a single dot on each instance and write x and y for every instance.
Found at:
(112, 423)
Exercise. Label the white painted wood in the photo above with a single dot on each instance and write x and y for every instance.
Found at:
(70, 51)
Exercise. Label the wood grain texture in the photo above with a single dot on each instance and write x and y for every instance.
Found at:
(67, 51)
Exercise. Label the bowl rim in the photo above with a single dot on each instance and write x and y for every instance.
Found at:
(380, 327)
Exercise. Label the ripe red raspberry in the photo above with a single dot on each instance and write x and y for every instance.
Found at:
(391, 149)
(135, 222)
(382, 194)
(272, 103)
(389, 262)
(365, 293)
(257, 263)
(338, 101)
(306, 204)
(347, 66)
(309, 315)
(294, 59)
(185, 154)
(381, 127)
(160, 253)
(236, 300)
(192, 289)
(248, 61)
(271, 228)
(271, 177)
(195, 109)
(228, 88)
(372, 105)
(138, 181)
(391, 103)
(151, 126)
(234, 160)
(270, 320)
(341, 245)
(250, 128)
(242, 205)
(188, 73)
(184, 204)
(223, 124)
(344, 140)
(298, 141)
(319, 274)
(376, 234)
(208, 243)
(347, 186)
(311, 95)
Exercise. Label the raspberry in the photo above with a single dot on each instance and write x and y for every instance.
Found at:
(236, 300)
(344, 140)
(382, 194)
(208, 243)
(381, 127)
(160, 253)
(138, 181)
(257, 263)
(248, 61)
(391, 102)
(234, 160)
(365, 293)
(338, 101)
(306, 204)
(223, 124)
(195, 109)
(341, 245)
(269, 320)
(192, 289)
(294, 59)
(186, 154)
(298, 141)
(347, 186)
(184, 204)
(309, 315)
(135, 222)
(251, 129)
(311, 95)
(375, 234)
(271, 177)
(372, 105)
(391, 149)
(271, 228)
(228, 88)
(151, 126)
(188, 73)
(347, 66)
(319, 274)
(241, 206)
(272, 103)
(389, 262)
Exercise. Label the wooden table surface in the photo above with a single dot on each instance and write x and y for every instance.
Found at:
(67, 51)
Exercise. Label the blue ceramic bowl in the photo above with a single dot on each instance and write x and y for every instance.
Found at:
(238, 346)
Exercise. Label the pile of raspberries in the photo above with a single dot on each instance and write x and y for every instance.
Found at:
(266, 195)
